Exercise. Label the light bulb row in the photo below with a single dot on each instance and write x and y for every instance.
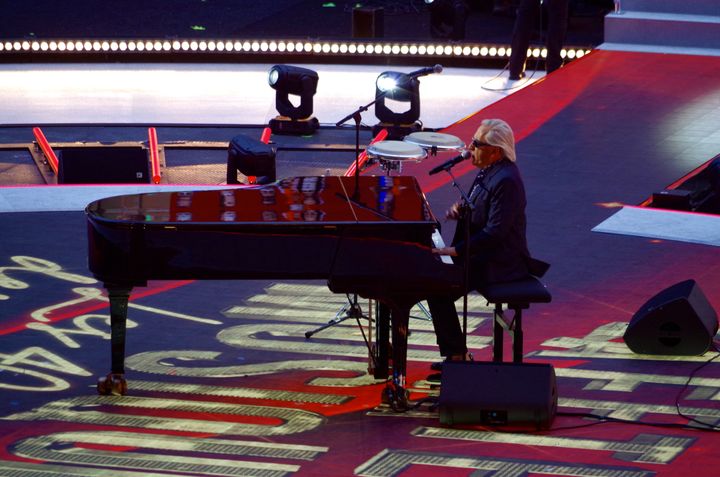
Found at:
(269, 47)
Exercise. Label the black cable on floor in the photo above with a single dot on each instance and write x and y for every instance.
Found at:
(712, 427)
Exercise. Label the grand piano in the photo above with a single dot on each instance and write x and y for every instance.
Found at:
(365, 235)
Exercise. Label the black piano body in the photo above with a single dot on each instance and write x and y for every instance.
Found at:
(366, 235)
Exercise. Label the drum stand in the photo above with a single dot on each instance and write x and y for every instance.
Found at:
(350, 310)
(389, 165)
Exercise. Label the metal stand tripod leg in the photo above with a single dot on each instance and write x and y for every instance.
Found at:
(350, 311)
(426, 313)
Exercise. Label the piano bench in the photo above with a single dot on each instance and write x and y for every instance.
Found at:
(516, 296)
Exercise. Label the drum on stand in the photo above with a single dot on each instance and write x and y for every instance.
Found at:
(391, 154)
(434, 141)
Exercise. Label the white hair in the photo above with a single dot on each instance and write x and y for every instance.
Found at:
(497, 132)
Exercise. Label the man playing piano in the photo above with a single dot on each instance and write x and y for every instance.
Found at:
(497, 248)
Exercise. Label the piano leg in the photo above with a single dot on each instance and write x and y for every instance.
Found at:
(382, 341)
(114, 383)
(395, 393)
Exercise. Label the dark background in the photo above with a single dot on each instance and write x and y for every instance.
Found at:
(276, 19)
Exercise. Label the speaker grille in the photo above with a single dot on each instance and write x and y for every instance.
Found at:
(677, 321)
(498, 394)
(103, 165)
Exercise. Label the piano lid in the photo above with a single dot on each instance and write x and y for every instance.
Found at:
(301, 200)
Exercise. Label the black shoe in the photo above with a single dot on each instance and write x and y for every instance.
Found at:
(516, 76)
(435, 378)
(438, 365)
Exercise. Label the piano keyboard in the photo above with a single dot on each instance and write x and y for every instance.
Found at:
(440, 243)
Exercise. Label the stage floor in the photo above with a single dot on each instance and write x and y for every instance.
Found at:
(223, 382)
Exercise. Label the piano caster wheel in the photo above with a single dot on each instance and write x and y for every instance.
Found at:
(396, 398)
(387, 395)
(113, 384)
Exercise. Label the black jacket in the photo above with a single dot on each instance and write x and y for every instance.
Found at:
(498, 245)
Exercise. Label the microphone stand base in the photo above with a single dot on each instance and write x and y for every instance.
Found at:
(397, 131)
(299, 127)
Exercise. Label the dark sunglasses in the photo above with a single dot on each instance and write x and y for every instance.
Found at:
(478, 143)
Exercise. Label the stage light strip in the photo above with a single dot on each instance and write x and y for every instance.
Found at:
(273, 47)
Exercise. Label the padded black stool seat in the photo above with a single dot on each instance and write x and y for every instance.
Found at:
(517, 296)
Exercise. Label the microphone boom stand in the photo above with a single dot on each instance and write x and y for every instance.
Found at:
(354, 309)
(465, 213)
(357, 117)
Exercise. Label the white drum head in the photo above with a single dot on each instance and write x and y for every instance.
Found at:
(396, 151)
(439, 141)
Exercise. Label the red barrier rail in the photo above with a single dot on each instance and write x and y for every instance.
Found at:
(363, 157)
(154, 156)
(265, 136)
(46, 149)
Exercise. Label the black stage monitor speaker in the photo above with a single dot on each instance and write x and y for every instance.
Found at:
(103, 165)
(252, 158)
(673, 199)
(677, 321)
(496, 394)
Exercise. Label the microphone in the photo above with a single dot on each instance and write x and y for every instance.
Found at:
(426, 71)
(450, 163)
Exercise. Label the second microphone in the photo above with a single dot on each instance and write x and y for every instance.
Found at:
(449, 164)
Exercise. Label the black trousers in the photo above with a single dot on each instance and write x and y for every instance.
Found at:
(528, 16)
(446, 322)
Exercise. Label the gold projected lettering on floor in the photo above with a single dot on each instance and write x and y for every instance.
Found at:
(86, 295)
(156, 452)
(35, 265)
(636, 411)
(645, 448)
(22, 363)
(83, 327)
(280, 336)
(163, 362)
(628, 382)
(602, 343)
(296, 309)
(26, 469)
(393, 462)
(198, 414)
(289, 302)
(241, 392)
(82, 322)
(208, 415)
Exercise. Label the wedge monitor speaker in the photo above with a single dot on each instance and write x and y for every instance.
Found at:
(677, 321)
